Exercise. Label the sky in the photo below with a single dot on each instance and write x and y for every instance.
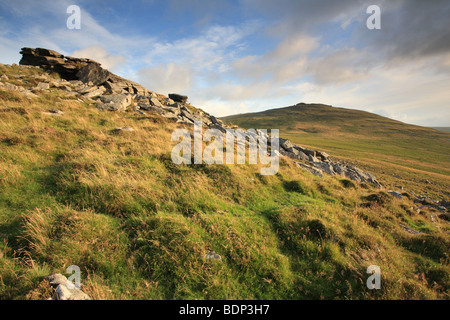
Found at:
(239, 56)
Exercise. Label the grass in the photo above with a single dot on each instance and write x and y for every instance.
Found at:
(74, 192)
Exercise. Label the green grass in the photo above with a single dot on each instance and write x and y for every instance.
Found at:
(138, 226)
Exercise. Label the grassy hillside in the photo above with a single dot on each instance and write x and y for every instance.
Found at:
(399, 154)
(76, 192)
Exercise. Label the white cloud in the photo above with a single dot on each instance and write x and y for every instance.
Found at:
(286, 62)
(167, 78)
(339, 66)
(99, 54)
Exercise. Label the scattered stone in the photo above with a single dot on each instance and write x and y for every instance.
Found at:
(43, 86)
(54, 113)
(56, 279)
(123, 129)
(211, 255)
(408, 229)
(62, 292)
(395, 194)
(439, 208)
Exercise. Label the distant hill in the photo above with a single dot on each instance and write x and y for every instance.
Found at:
(398, 153)
(446, 129)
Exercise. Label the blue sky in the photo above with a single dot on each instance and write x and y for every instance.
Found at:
(250, 55)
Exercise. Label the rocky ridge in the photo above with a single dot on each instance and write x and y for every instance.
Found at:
(86, 79)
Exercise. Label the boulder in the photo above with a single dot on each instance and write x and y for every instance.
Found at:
(178, 97)
(62, 292)
(94, 92)
(212, 256)
(309, 168)
(56, 279)
(115, 102)
(94, 73)
(155, 102)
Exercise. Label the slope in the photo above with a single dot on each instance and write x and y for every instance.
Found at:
(77, 191)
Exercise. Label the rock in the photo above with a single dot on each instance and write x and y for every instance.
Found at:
(43, 86)
(56, 279)
(173, 110)
(51, 60)
(178, 97)
(408, 229)
(215, 121)
(322, 155)
(312, 159)
(169, 101)
(325, 166)
(11, 87)
(155, 102)
(64, 293)
(54, 113)
(78, 295)
(395, 194)
(95, 92)
(185, 121)
(309, 168)
(115, 102)
(285, 144)
(86, 70)
(113, 88)
(29, 94)
(123, 129)
(434, 207)
(93, 72)
(211, 255)
(295, 154)
(445, 204)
